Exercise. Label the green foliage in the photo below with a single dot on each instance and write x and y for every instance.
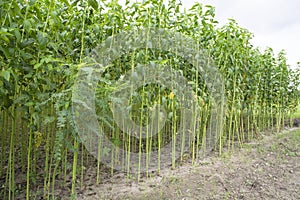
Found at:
(43, 43)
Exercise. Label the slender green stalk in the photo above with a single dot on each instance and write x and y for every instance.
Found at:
(29, 161)
(11, 193)
(74, 167)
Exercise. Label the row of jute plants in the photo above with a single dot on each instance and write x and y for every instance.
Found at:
(44, 43)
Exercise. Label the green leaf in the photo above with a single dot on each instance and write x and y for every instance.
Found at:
(49, 120)
(21, 98)
(6, 75)
(17, 35)
(42, 39)
(37, 65)
(4, 38)
(27, 24)
(30, 103)
(94, 4)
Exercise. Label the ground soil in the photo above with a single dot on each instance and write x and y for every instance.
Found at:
(268, 168)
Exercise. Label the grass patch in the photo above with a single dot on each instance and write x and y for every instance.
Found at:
(289, 145)
(296, 135)
(297, 113)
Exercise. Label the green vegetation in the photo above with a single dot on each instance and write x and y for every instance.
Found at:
(296, 114)
(42, 45)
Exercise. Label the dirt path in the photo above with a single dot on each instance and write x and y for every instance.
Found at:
(265, 169)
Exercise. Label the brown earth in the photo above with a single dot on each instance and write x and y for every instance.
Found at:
(263, 169)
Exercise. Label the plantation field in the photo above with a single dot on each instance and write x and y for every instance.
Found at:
(100, 100)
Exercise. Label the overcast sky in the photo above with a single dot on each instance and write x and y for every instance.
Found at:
(274, 23)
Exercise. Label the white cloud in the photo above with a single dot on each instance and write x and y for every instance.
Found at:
(286, 38)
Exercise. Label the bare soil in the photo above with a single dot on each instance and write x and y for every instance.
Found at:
(268, 168)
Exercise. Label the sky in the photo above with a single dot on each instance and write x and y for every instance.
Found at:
(274, 23)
